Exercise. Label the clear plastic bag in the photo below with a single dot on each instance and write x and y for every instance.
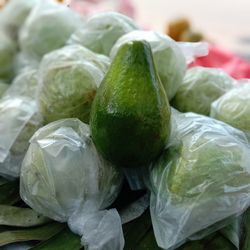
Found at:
(102, 31)
(68, 80)
(202, 178)
(168, 57)
(47, 28)
(64, 178)
(200, 87)
(14, 14)
(234, 107)
(19, 119)
(3, 87)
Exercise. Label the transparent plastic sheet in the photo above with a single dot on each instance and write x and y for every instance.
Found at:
(102, 31)
(193, 50)
(47, 28)
(200, 87)
(169, 59)
(14, 14)
(234, 106)
(20, 110)
(203, 177)
(64, 178)
(3, 87)
(68, 80)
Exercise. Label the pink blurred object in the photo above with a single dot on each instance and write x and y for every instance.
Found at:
(86, 7)
(220, 58)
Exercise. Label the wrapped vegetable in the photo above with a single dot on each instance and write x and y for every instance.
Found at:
(69, 78)
(19, 119)
(64, 178)
(14, 14)
(200, 87)
(3, 87)
(102, 31)
(47, 28)
(169, 59)
(202, 178)
(7, 56)
(234, 107)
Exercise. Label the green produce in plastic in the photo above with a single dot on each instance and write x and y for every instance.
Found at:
(18, 113)
(234, 107)
(14, 14)
(3, 87)
(200, 87)
(130, 114)
(169, 60)
(102, 31)
(47, 28)
(7, 56)
(64, 178)
(69, 78)
(202, 178)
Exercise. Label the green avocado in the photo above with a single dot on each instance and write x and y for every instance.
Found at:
(130, 115)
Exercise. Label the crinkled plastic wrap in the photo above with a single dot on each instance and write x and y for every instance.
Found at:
(169, 59)
(234, 107)
(69, 78)
(102, 31)
(200, 87)
(14, 14)
(193, 50)
(47, 28)
(19, 119)
(64, 178)
(202, 178)
(7, 56)
(3, 87)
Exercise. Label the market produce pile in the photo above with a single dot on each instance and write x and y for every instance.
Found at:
(109, 140)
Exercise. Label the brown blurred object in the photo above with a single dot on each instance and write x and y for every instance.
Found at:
(180, 30)
(2, 3)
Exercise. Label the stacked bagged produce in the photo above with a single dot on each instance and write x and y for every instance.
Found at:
(102, 30)
(202, 178)
(18, 113)
(200, 87)
(68, 80)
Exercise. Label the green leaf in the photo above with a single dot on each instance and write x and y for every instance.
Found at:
(39, 233)
(9, 193)
(135, 230)
(3, 181)
(20, 217)
(246, 231)
(61, 241)
(148, 242)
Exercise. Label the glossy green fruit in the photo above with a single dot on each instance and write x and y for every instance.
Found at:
(130, 114)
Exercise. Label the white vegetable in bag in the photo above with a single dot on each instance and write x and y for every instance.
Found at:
(200, 87)
(202, 178)
(14, 14)
(69, 78)
(18, 122)
(234, 107)
(64, 178)
(47, 28)
(168, 57)
(102, 31)
(7, 56)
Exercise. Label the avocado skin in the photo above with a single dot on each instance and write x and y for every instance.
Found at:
(130, 115)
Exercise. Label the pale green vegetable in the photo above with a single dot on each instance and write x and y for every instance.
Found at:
(234, 107)
(200, 87)
(102, 31)
(69, 78)
(47, 28)
(7, 56)
(62, 172)
(168, 57)
(202, 178)
(14, 14)
(3, 87)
